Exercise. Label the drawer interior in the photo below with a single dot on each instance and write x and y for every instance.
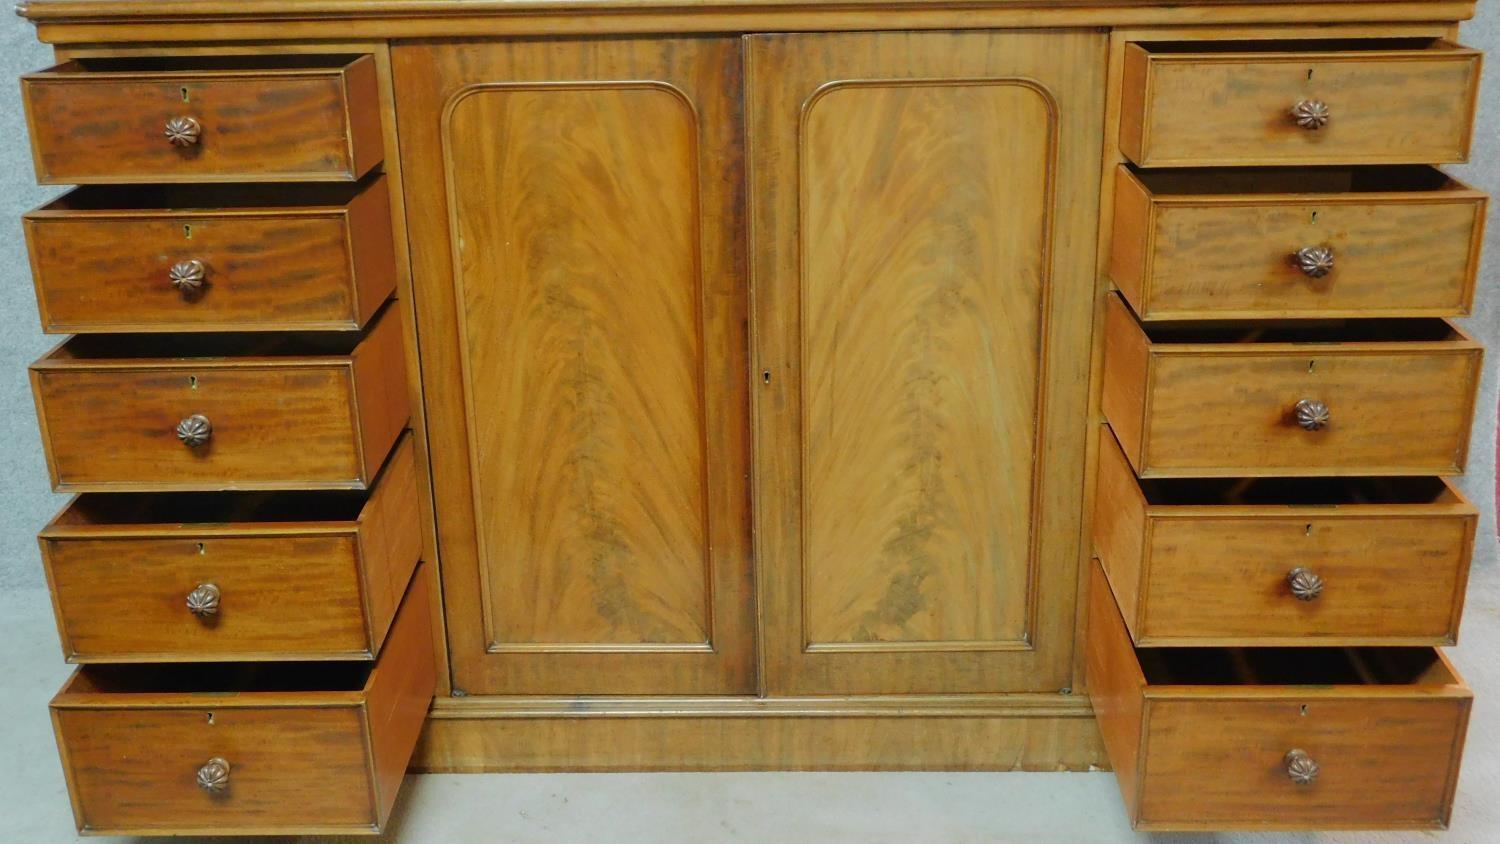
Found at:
(1324, 492)
(1299, 45)
(1294, 667)
(211, 508)
(1310, 332)
(186, 199)
(102, 347)
(218, 678)
(199, 64)
(1272, 181)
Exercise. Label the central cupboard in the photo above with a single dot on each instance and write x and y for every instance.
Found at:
(756, 366)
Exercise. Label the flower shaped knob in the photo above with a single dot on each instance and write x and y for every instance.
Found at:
(188, 276)
(1312, 415)
(1311, 115)
(194, 430)
(213, 777)
(203, 601)
(1300, 768)
(1314, 261)
(1305, 584)
(183, 131)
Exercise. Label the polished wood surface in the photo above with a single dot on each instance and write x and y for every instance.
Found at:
(918, 283)
(1202, 563)
(283, 420)
(1205, 732)
(267, 121)
(1206, 244)
(1403, 103)
(300, 577)
(311, 750)
(955, 733)
(576, 242)
(284, 258)
(1202, 407)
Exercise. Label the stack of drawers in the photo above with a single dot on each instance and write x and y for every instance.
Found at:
(1278, 548)
(239, 574)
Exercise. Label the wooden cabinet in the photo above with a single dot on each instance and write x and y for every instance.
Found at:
(923, 240)
(745, 386)
(579, 248)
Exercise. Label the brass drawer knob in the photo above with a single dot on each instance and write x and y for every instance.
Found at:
(1300, 768)
(213, 777)
(1305, 584)
(183, 131)
(1312, 415)
(203, 601)
(188, 277)
(194, 430)
(1314, 261)
(1311, 115)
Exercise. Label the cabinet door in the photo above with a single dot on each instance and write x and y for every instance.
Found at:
(924, 217)
(576, 212)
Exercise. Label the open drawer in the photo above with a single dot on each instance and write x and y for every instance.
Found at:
(1339, 397)
(204, 119)
(1274, 243)
(230, 576)
(182, 258)
(1330, 101)
(267, 749)
(1283, 561)
(170, 412)
(1309, 738)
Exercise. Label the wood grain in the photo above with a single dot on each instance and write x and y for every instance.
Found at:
(265, 120)
(1398, 105)
(1400, 407)
(295, 259)
(582, 236)
(921, 359)
(916, 290)
(1209, 754)
(303, 759)
(321, 584)
(1207, 564)
(283, 421)
(1201, 244)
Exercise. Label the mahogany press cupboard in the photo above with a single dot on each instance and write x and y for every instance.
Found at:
(512, 385)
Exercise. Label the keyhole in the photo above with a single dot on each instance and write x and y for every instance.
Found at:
(187, 231)
(192, 382)
(1309, 74)
(1311, 365)
(1315, 217)
(1304, 710)
(1307, 532)
(211, 717)
(766, 376)
(184, 94)
(202, 549)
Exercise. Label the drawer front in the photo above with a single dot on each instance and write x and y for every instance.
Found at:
(136, 769)
(286, 124)
(241, 270)
(209, 424)
(303, 749)
(287, 425)
(1381, 106)
(257, 597)
(1384, 580)
(1223, 762)
(1244, 256)
(1391, 412)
